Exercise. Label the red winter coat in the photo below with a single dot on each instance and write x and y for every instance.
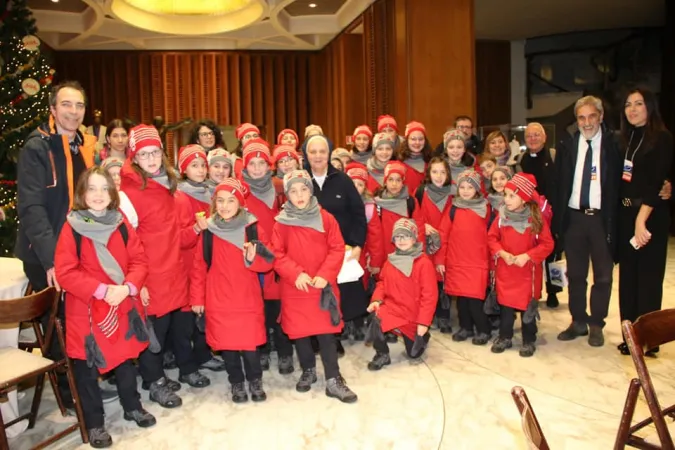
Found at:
(407, 301)
(373, 248)
(389, 219)
(298, 250)
(187, 207)
(516, 286)
(279, 189)
(231, 296)
(266, 222)
(464, 253)
(413, 178)
(372, 185)
(80, 277)
(159, 231)
(433, 216)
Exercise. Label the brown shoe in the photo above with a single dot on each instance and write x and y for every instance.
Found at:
(572, 332)
(596, 338)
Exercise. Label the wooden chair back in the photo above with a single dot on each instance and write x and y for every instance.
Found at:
(31, 307)
(530, 424)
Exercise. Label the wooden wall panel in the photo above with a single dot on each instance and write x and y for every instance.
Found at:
(493, 82)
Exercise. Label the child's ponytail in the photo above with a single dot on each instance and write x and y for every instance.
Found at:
(537, 218)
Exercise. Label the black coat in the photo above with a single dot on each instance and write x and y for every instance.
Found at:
(340, 198)
(611, 165)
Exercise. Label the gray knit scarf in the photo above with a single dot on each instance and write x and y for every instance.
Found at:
(477, 205)
(261, 188)
(161, 178)
(361, 157)
(438, 195)
(99, 230)
(518, 220)
(233, 230)
(376, 169)
(309, 217)
(455, 172)
(416, 161)
(398, 204)
(502, 160)
(496, 200)
(199, 191)
(403, 260)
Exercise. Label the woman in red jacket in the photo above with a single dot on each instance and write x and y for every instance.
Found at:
(225, 288)
(522, 241)
(463, 257)
(362, 148)
(309, 251)
(435, 204)
(372, 256)
(100, 263)
(395, 202)
(264, 204)
(192, 203)
(383, 152)
(415, 153)
(405, 297)
(150, 183)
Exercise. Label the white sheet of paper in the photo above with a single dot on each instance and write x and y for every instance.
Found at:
(351, 270)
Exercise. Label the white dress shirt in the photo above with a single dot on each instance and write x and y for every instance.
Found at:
(595, 195)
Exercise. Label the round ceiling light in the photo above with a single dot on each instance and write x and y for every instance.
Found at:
(188, 17)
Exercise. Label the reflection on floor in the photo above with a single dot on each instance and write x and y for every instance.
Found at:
(456, 398)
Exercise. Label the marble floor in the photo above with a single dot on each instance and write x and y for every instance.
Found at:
(457, 397)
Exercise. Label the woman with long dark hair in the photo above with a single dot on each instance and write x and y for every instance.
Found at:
(116, 142)
(644, 218)
(207, 134)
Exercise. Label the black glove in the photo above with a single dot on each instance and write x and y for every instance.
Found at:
(490, 306)
(445, 301)
(433, 241)
(137, 327)
(328, 302)
(93, 353)
(374, 331)
(200, 322)
(263, 251)
(418, 347)
(532, 312)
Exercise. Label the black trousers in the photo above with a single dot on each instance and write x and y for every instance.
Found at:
(441, 312)
(507, 320)
(86, 381)
(181, 331)
(381, 346)
(282, 343)
(470, 312)
(327, 349)
(233, 365)
(641, 272)
(201, 352)
(585, 238)
(550, 287)
(38, 280)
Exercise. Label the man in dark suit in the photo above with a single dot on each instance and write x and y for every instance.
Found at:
(588, 167)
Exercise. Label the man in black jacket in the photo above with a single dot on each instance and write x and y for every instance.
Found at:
(50, 162)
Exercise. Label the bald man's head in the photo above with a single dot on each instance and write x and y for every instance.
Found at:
(535, 137)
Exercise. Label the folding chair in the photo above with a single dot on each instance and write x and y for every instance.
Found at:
(649, 331)
(17, 366)
(531, 428)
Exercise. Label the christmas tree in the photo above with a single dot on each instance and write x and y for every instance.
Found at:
(25, 77)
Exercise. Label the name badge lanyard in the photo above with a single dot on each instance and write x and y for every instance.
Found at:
(628, 163)
(636, 148)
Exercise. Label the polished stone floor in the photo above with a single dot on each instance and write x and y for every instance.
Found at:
(457, 397)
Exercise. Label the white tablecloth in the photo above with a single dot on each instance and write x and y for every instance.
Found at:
(13, 284)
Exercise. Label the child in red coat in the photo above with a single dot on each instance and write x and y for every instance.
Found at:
(415, 153)
(309, 251)
(522, 241)
(192, 202)
(288, 137)
(286, 159)
(405, 297)
(225, 288)
(383, 152)
(436, 203)
(264, 204)
(150, 182)
(100, 263)
(394, 202)
(362, 149)
(463, 257)
(244, 133)
(458, 158)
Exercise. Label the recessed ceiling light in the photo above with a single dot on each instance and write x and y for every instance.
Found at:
(311, 5)
(55, 1)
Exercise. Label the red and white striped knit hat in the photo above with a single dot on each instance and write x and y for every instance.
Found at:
(256, 148)
(244, 129)
(394, 167)
(283, 151)
(234, 187)
(524, 185)
(415, 126)
(188, 154)
(142, 136)
(364, 130)
(385, 120)
(357, 171)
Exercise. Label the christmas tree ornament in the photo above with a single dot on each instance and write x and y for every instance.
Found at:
(30, 86)
(31, 43)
